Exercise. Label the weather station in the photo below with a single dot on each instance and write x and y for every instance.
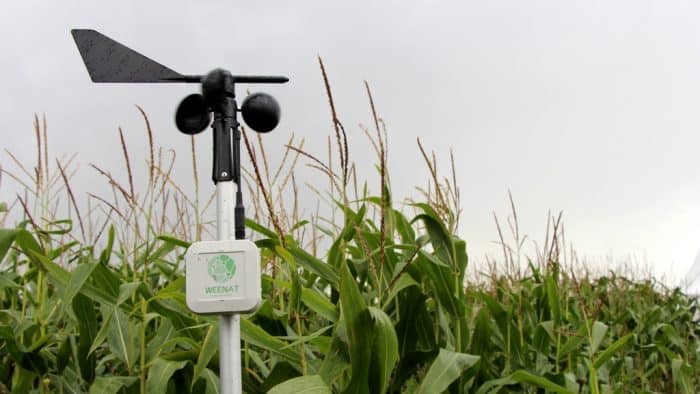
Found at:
(222, 276)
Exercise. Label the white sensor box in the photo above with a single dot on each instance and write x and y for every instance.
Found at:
(223, 276)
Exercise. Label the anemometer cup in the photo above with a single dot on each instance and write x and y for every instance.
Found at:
(192, 115)
(261, 112)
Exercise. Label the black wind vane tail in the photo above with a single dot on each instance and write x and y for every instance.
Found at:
(109, 61)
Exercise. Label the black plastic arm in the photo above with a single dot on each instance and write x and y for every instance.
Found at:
(222, 169)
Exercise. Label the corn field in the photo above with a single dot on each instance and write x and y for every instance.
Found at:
(368, 296)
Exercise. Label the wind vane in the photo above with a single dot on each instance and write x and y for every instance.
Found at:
(221, 276)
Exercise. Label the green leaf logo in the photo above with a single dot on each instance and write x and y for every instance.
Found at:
(221, 268)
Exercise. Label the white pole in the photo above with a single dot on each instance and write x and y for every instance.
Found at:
(230, 353)
(229, 324)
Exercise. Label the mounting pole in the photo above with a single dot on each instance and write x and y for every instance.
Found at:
(224, 171)
(229, 323)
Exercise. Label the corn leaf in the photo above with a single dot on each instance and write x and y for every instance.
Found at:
(160, 373)
(312, 384)
(445, 369)
(385, 350)
(598, 332)
(258, 337)
(84, 310)
(111, 384)
(7, 237)
(358, 326)
(209, 348)
(605, 355)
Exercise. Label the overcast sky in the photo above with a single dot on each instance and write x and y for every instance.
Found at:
(585, 107)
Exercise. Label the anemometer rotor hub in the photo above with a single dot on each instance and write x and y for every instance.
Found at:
(217, 86)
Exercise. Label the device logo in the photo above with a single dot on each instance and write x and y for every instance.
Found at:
(221, 268)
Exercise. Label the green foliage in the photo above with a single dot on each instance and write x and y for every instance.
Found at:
(386, 307)
(353, 323)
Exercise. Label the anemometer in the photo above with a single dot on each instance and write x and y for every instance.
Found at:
(221, 276)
